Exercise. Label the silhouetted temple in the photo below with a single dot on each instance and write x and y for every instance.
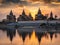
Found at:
(24, 17)
(10, 17)
(40, 16)
(51, 17)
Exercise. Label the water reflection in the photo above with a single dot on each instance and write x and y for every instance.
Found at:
(31, 37)
(11, 33)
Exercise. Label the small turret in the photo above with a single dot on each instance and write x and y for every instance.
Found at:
(23, 13)
(39, 11)
(11, 13)
(30, 17)
(51, 15)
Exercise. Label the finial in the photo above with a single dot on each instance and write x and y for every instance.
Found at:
(11, 13)
(23, 13)
(39, 11)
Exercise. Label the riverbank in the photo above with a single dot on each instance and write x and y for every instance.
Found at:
(31, 24)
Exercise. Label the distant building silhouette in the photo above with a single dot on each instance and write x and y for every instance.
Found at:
(24, 17)
(40, 16)
(51, 16)
(11, 17)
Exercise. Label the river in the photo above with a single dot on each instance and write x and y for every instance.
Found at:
(17, 37)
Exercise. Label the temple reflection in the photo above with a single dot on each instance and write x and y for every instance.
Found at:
(32, 37)
(11, 33)
(39, 36)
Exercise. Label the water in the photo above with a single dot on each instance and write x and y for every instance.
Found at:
(31, 37)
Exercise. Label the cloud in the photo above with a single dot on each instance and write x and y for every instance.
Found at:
(8, 1)
(22, 3)
(46, 1)
(26, 1)
(11, 3)
(34, 0)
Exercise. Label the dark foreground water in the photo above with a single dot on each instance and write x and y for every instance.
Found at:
(29, 37)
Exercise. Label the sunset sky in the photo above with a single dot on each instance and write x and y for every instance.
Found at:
(30, 6)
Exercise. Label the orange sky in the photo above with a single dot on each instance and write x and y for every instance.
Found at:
(32, 8)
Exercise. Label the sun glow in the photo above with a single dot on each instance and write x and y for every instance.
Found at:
(34, 39)
(45, 9)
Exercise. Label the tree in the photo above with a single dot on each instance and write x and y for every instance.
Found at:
(55, 16)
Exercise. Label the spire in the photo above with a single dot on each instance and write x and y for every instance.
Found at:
(23, 13)
(30, 15)
(11, 13)
(39, 11)
(51, 14)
